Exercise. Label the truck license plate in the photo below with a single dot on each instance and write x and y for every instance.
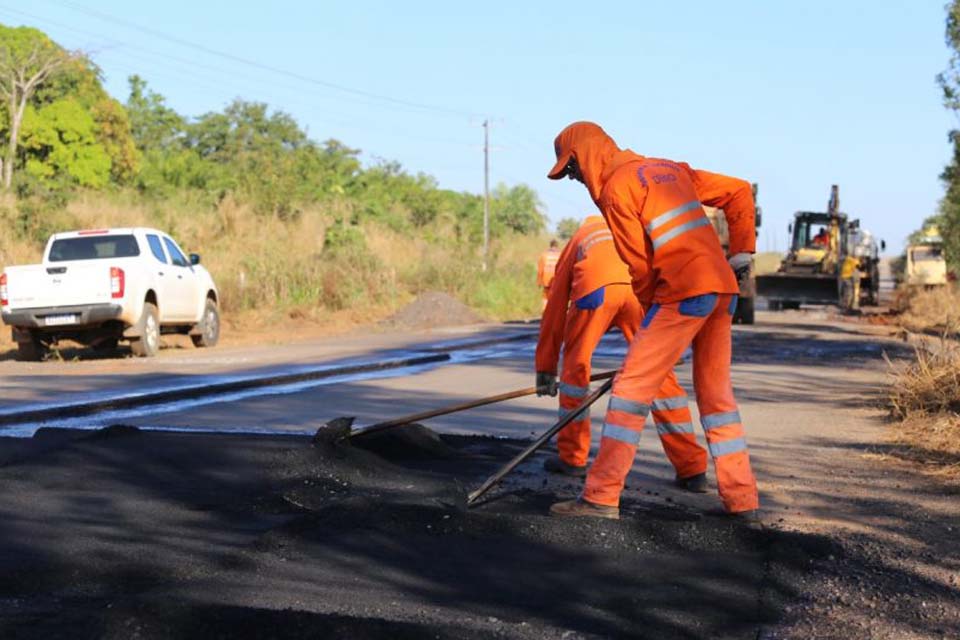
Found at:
(53, 321)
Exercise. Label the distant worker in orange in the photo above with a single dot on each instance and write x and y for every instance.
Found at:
(546, 266)
(680, 274)
(590, 293)
(822, 239)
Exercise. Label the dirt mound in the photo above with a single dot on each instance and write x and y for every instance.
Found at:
(431, 310)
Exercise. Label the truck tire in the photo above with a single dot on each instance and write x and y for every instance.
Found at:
(32, 351)
(209, 326)
(745, 311)
(148, 344)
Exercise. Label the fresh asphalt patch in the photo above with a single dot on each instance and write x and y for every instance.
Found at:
(122, 533)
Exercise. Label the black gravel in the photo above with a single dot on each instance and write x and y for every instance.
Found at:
(129, 534)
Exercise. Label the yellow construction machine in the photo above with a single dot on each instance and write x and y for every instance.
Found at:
(811, 271)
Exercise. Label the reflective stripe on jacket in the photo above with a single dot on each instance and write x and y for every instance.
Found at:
(653, 207)
(588, 261)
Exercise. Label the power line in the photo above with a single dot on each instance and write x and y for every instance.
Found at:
(264, 67)
(187, 71)
(191, 65)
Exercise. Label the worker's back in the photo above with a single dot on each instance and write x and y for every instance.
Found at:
(596, 261)
(547, 266)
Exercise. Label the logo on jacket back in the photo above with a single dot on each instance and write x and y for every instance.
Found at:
(664, 177)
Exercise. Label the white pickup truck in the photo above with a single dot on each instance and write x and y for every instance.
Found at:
(100, 286)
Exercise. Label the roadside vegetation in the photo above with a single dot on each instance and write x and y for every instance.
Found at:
(924, 398)
(288, 225)
(935, 310)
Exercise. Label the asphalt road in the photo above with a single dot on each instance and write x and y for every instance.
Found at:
(883, 562)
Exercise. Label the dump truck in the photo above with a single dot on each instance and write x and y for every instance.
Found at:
(820, 243)
(925, 265)
(748, 288)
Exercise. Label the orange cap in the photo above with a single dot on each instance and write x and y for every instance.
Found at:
(564, 142)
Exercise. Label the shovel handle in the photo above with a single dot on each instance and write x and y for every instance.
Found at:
(539, 442)
(433, 413)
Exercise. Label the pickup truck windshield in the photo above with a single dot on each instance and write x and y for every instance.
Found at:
(94, 248)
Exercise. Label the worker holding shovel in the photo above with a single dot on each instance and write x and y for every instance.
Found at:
(590, 293)
(680, 274)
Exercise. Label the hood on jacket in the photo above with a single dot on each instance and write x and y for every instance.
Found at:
(593, 150)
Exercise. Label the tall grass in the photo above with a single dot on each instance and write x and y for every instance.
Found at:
(291, 266)
(935, 309)
(924, 396)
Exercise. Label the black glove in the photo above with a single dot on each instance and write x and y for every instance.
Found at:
(546, 384)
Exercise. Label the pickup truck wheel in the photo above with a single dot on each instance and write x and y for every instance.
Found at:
(32, 351)
(209, 326)
(148, 344)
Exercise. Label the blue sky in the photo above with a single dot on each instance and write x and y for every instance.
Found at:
(795, 96)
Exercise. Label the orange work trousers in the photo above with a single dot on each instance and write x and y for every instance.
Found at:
(583, 331)
(666, 331)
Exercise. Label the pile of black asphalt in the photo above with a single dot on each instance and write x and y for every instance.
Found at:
(123, 533)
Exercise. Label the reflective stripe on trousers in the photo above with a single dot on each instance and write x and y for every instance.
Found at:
(649, 361)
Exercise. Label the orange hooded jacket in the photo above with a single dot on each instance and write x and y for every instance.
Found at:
(653, 208)
(588, 261)
(546, 267)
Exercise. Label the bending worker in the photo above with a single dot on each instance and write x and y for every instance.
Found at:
(590, 293)
(546, 266)
(680, 274)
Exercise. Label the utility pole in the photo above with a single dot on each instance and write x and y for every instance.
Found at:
(486, 191)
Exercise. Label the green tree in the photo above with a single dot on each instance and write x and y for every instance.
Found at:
(28, 58)
(153, 125)
(516, 209)
(567, 227)
(949, 81)
(264, 157)
(60, 140)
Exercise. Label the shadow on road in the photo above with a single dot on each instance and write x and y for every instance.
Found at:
(171, 532)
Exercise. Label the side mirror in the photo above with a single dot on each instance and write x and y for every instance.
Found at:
(883, 245)
(790, 229)
(194, 258)
(758, 219)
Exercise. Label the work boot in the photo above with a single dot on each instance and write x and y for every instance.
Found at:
(581, 507)
(749, 519)
(693, 484)
(554, 464)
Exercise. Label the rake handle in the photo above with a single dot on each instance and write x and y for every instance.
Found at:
(539, 442)
(433, 413)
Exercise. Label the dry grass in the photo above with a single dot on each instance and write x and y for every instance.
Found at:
(277, 273)
(936, 310)
(924, 397)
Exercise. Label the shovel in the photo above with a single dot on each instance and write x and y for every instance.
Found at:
(340, 428)
(473, 496)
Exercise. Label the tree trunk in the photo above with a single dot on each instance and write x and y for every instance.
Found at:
(16, 117)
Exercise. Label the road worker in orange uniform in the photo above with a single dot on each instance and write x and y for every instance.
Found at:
(590, 293)
(546, 267)
(681, 276)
